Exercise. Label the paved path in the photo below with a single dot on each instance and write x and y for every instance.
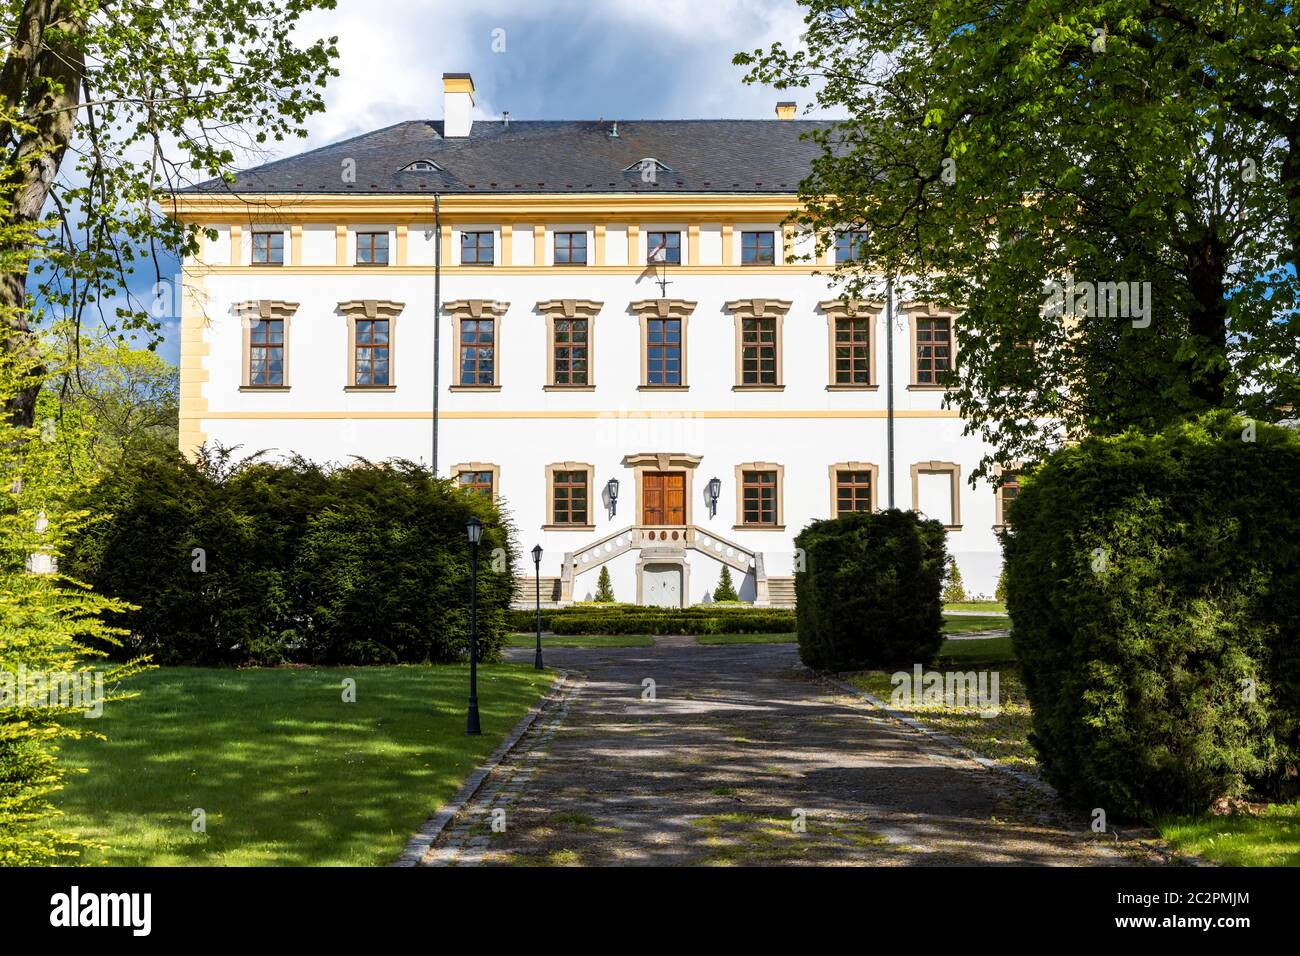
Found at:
(736, 750)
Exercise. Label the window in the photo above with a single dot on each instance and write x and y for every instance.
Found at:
(268, 248)
(570, 248)
(569, 497)
(422, 166)
(663, 357)
(569, 351)
(758, 248)
(849, 245)
(372, 248)
(664, 247)
(266, 352)
(478, 351)
(933, 337)
(852, 491)
(475, 482)
(1006, 491)
(476, 248)
(758, 498)
(935, 492)
(371, 357)
(758, 351)
(853, 351)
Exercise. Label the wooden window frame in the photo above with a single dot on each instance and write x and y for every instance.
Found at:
(779, 516)
(479, 467)
(774, 309)
(478, 247)
(833, 472)
(650, 309)
(373, 310)
(852, 246)
(650, 244)
(555, 248)
(999, 503)
(915, 313)
(263, 309)
(373, 235)
(771, 235)
(838, 310)
(592, 495)
(554, 310)
(939, 467)
(477, 309)
(264, 263)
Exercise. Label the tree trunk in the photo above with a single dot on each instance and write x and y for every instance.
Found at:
(1208, 318)
(43, 74)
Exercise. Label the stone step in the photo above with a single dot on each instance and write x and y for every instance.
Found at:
(780, 591)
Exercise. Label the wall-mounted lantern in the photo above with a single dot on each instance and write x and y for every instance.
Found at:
(715, 489)
(611, 492)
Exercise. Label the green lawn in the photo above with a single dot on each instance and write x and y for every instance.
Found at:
(1271, 838)
(951, 625)
(963, 625)
(579, 640)
(985, 607)
(786, 638)
(287, 773)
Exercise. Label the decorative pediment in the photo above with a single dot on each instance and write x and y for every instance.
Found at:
(265, 309)
(477, 308)
(664, 308)
(928, 309)
(850, 308)
(570, 308)
(759, 308)
(661, 460)
(371, 308)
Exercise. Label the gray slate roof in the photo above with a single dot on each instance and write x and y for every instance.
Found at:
(703, 156)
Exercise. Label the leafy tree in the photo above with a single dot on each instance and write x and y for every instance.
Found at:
(604, 587)
(954, 589)
(108, 108)
(991, 150)
(725, 591)
(51, 629)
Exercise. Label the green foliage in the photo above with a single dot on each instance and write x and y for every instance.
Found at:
(261, 563)
(634, 619)
(604, 587)
(1000, 592)
(725, 591)
(1154, 588)
(869, 595)
(987, 151)
(51, 629)
(954, 590)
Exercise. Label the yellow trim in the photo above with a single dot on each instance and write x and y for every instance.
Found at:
(295, 244)
(727, 252)
(236, 245)
(630, 270)
(539, 248)
(400, 252)
(586, 414)
(598, 240)
(507, 244)
(340, 247)
(633, 245)
(458, 84)
(693, 244)
(193, 373)
(446, 245)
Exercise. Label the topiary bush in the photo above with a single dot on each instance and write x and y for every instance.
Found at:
(604, 587)
(869, 595)
(725, 591)
(1153, 584)
(293, 563)
(635, 619)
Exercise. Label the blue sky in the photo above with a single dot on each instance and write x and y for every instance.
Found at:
(556, 59)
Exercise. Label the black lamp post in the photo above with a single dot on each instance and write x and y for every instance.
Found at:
(611, 489)
(537, 577)
(474, 528)
(715, 489)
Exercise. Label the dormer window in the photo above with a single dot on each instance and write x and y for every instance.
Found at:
(648, 162)
(422, 166)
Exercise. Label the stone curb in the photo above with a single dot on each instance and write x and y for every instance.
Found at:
(424, 838)
(1154, 845)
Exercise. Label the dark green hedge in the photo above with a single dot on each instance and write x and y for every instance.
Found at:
(633, 619)
(360, 565)
(1152, 582)
(869, 595)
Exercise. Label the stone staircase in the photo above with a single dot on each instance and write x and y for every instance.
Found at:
(780, 592)
(525, 595)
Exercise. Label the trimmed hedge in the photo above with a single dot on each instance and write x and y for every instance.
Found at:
(869, 595)
(634, 619)
(360, 565)
(1153, 584)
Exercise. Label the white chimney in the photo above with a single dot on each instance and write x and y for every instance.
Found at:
(457, 104)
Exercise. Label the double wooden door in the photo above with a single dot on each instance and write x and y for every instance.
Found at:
(663, 498)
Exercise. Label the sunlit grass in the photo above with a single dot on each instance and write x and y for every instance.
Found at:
(1270, 838)
(285, 772)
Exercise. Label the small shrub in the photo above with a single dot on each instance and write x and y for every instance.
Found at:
(870, 594)
(1000, 592)
(725, 591)
(604, 587)
(954, 589)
